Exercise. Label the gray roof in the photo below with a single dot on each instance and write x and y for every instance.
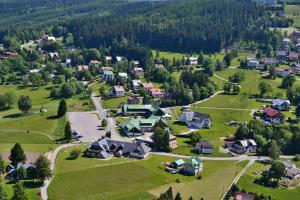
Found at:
(204, 144)
(294, 171)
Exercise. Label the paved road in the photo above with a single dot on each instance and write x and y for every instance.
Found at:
(111, 123)
(52, 165)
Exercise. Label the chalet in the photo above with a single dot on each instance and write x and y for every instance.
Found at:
(122, 77)
(281, 56)
(156, 93)
(281, 104)
(192, 166)
(117, 91)
(102, 69)
(107, 75)
(136, 84)
(81, 68)
(13, 171)
(195, 119)
(107, 148)
(137, 71)
(143, 110)
(273, 116)
(243, 196)
(244, 146)
(283, 72)
(204, 147)
(147, 86)
(172, 141)
(292, 172)
(252, 63)
(293, 56)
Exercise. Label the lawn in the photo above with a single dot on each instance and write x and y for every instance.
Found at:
(246, 182)
(124, 178)
(114, 103)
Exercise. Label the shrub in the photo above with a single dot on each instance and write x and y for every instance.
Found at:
(199, 177)
(178, 180)
(74, 154)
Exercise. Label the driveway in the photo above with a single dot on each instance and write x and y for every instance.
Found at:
(86, 124)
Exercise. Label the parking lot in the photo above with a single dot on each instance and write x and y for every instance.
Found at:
(86, 124)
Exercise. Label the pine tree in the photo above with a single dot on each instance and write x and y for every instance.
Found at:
(68, 132)
(43, 168)
(17, 154)
(19, 192)
(62, 108)
(178, 196)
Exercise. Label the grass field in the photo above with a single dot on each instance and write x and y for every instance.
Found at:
(293, 11)
(114, 103)
(123, 178)
(246, 182)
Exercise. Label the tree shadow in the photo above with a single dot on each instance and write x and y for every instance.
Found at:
(15, 115)
(53, 117)
(32, 184)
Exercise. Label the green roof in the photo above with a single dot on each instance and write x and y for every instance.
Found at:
(139, 107)
(138, 124)
(194, 161)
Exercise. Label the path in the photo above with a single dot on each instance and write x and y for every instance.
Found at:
(52, 165)
(217, 108)
(25, 132)
(111, 122)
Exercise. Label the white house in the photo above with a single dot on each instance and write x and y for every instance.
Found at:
(122, 76)
(192, 60)
(252, 63)
(136, 84)
(204, 147)
(281, 104)
(293, 173)
(244, 146)
(195, 119)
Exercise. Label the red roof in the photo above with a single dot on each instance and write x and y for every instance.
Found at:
(106, 68)
(243, 196)
(271, 112)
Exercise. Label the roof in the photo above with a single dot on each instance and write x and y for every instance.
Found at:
(138, 69)
(136, 82)
(119, 88)
(243, 196)
(248, 142)
(122, 74)
(108, 72)
(204, 144)
(194, 161)
(270, 112)
(179, 162)
(139, 107)
(138, 124)
(147, 85)
(106, 68)
(82, 67)
(155, 91)
(288, 164)
(293, 171)
(278, 102)
(192, 116)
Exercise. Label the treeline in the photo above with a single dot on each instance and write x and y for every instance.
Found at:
(187, 26)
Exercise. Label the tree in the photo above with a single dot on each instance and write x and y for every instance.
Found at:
(17, 154)
(108, 134)
(178, 196)
(297, 111)
(196, 92)
(104, 122)
(236, 89)
(3, 195)
(43, 168)
(194, 138)
(288, 81)
(102, 90)
(24, 104)
(62, 108)
(277, 171)
(227, 59)
(19, 192)
(273, 150)
(272, 72)
(75, 153)
(31, 173)
(160, 139)
(2, 166)
(242, 132)
(68, 132)
(21, 173)
(10, 98)
(264, 88)
(227, 88)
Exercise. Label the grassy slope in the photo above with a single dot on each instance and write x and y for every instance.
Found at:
(246, 182)
(95, 179)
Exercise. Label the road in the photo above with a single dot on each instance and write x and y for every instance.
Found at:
(111, 122)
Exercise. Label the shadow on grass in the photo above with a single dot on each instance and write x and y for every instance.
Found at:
(15, 115)
(32, 184)
(53, 117)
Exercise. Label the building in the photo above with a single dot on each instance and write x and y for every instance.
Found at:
(252, 63)
(195, 119)
(204, 147)
(295, 35)
(191, 60)
(288, 164)
(117, 91)
(47, 38)
(95, 62)
(293, 173)
(81, 68)
(244, 146)
(102, 69)
(192, 166)
(147, 86)
(134, 99)
(283, 72)
(107, 75)
(108, 58)
(243, 196)
(53, 56)
(156, 93)
(281, 56)
(122, 77)
(120, 58)
(281, 104)
(136, 84)
(273, 116)
(137, 71)
(172, 141)
(135, 63)
(293, 56)
(107, 148)
(13, 171)
(142, 110)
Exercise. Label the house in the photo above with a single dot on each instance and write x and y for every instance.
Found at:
(8, 54)
(81, 68)
(34, 70)
(47, 38)
(295, 35)
(120, 58)
(293, 173)
(122, 77)
(136, 84)
(147, 86)
(135, 127)
(283, 72)
(295, 67)
(177, 164)
(273, 116)
(53, 55)
(286, 42)
(191, 60)
(252, 63)
(94, 62)
(288, 164)
(106, 148)
(107, 75)
(13, 171)
(293, 56)
(117, 91)
(156, 93)
(68, 63)
(135, 63)
(142, 110)
(108, 58)
(204, 147)
(281, 104)
(265, 62)
(172, 141)
(159, 66)
(193, 166)
(135, 99)
(137, 71)
(281, 56)
(102, 69)
(243, 196)
(195, 119)
(244, 146)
